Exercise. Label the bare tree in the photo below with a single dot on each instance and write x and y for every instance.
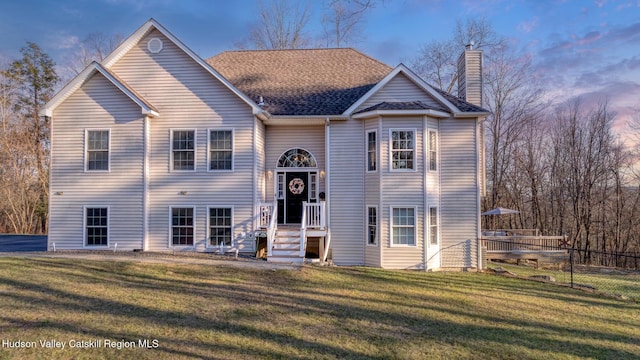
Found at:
(586, 146)
(95, 47)
(437, 60)
(26, 146)
(8, 94)
(20, 186)
(282, 26)
(514, 99)
(342, 19)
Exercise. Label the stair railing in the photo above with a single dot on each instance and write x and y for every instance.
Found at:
(303, 230)
(271, 230)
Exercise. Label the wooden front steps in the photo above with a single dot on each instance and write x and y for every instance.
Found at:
(286, 246)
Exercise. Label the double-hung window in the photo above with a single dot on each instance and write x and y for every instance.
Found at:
(220, 226)
(182, 226)
(183, 150)
(433, 151)
(97, 150)
(403, 226)
(402, 149)
(96, 226)
(372, 149)
(433, 225)
(220, 150)
(372, 225)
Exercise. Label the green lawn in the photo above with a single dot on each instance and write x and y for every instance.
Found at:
(613, 282)
(199, 311)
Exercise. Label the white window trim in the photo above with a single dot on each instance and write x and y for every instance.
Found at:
(195, 217)
(281, 179)
(313, 185)
(288, 168)
(195, 150)
(428, 154)
(366, 151)
(233, 226)
(367, 226)
(86, 151)
(415, 158)
(84, 226)
(437, 226)
(233, 149)
(415, 225)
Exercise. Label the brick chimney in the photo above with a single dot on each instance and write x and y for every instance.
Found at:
(470, 75)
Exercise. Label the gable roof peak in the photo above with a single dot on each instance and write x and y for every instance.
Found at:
(152, 24)
(84, 76)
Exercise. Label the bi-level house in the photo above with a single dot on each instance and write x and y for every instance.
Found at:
(317, 153)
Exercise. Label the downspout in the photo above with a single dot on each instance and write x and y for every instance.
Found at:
(49, 205)
(145, 183)
(478, 193)
(380, 219)
(425, 206)
(327, 185)
(256, 206)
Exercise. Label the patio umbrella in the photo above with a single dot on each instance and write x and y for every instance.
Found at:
(500, 211)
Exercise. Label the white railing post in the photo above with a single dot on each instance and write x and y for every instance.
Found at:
(323, 215)
(271, 229)
(303, 230)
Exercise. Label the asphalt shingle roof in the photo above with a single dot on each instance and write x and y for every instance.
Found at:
(464, 106)
(301, 82)
(403, 105)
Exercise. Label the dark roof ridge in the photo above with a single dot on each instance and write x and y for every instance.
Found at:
(304, 49)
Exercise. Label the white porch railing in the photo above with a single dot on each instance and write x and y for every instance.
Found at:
(266, 209)
(313, 217)
(271, 228)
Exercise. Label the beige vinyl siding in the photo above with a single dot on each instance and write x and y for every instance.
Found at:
(372, 193)
(347, 192)
(400, 88)
(188, 97)
(470, 82)
(459, 199)
(402, 189)
(98, 104)
(282, 138)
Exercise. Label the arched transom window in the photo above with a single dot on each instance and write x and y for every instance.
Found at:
(297, 158)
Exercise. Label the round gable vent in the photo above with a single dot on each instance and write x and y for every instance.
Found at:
(155, 45)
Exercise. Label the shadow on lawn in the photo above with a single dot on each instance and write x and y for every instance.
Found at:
(355, 297)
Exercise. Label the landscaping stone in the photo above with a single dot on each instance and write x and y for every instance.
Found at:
(543, 278)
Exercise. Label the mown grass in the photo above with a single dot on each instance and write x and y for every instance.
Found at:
(199, 311)
(613, 282)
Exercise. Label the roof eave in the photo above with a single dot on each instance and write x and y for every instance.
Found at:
(471, 114)
(425, 112)
(307, 120)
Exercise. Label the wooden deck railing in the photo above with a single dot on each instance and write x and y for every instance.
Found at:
(523, 243)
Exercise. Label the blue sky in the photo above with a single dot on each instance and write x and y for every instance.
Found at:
(589, 47)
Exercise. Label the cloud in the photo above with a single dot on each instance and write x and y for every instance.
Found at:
(65, 41)
(589, 38)
(627, 34)
(528, 26)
